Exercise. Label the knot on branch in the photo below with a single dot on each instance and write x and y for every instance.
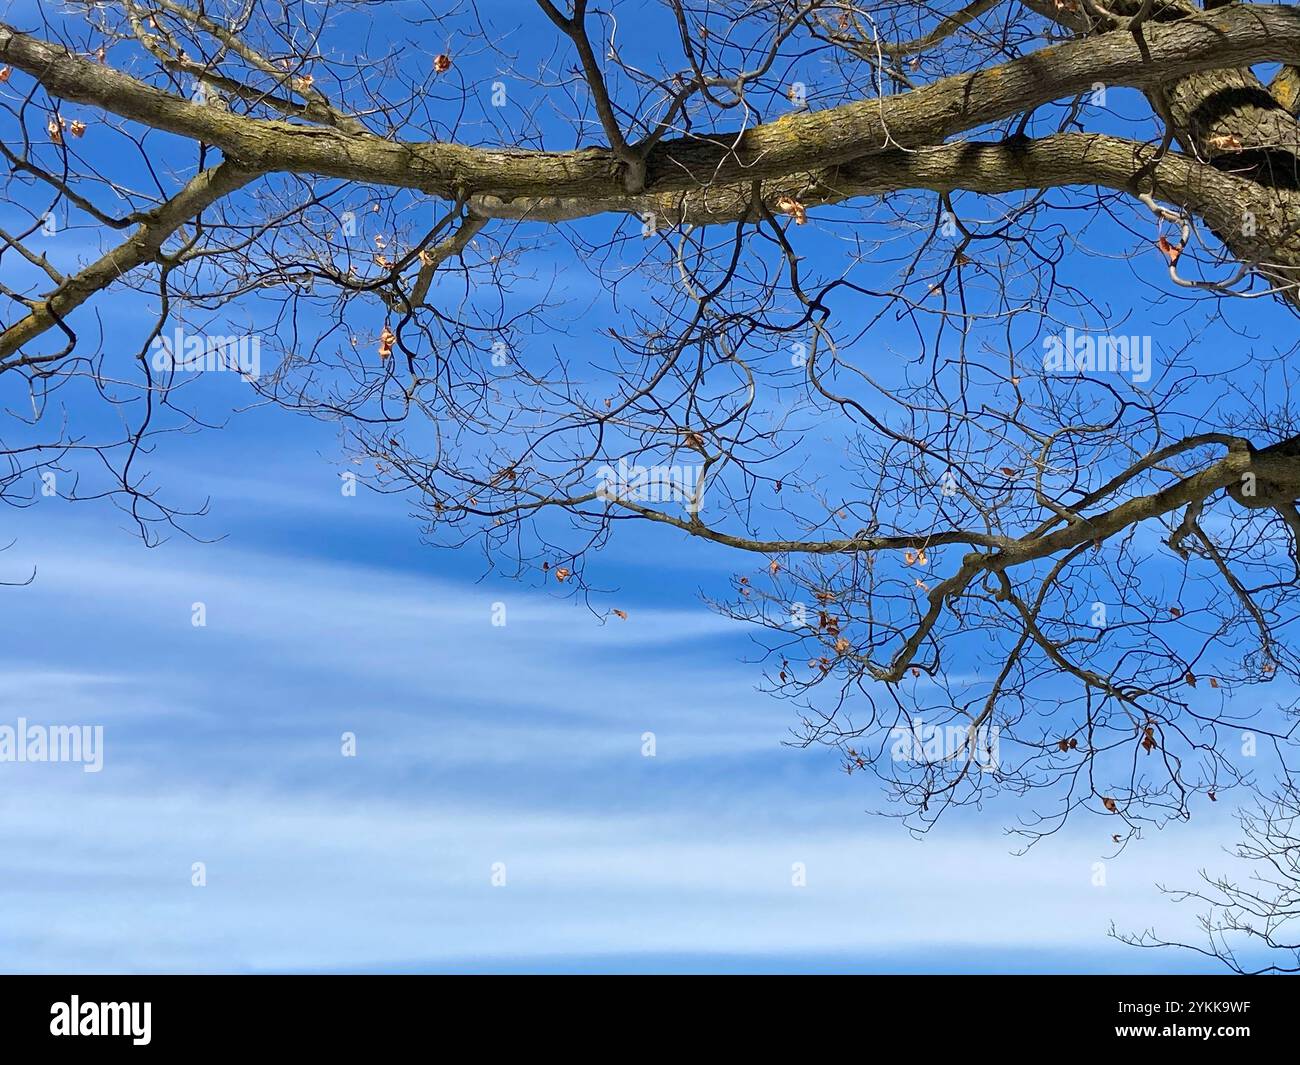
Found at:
(1272, 478)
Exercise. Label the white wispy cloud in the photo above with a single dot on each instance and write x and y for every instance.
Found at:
(476, 745)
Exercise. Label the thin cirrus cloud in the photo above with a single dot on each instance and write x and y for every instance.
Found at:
(476, 745)
(309, 881)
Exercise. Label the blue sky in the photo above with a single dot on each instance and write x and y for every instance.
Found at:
(476, 745)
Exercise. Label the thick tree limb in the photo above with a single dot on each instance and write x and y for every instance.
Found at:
(793, 144)
(143, 246)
